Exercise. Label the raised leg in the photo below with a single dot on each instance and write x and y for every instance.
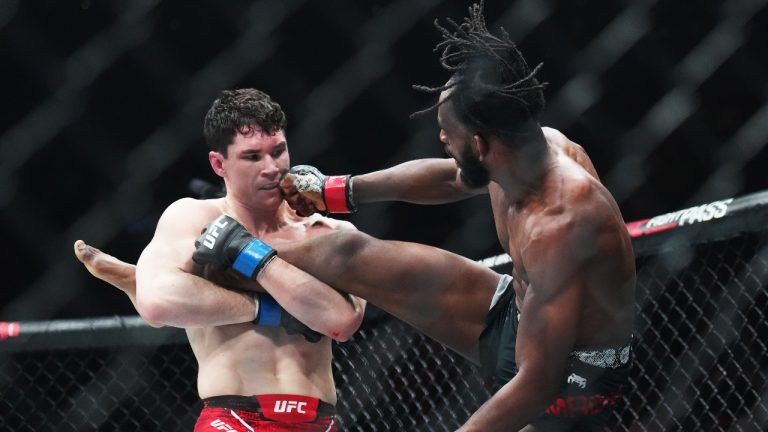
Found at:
(441, 294)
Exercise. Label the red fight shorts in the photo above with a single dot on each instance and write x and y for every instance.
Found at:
(268, 413)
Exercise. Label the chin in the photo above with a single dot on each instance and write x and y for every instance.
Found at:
(273, 200)
(270, 196)
(474, 182)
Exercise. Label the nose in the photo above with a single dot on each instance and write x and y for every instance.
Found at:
(271, 168)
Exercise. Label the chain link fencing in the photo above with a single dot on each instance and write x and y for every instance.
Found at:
(701, 334)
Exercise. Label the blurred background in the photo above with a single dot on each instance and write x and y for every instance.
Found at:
(104, 101)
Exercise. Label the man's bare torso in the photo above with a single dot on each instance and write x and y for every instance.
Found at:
(244, 359)
(571, 184)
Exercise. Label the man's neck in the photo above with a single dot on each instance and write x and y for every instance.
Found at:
(521, 171)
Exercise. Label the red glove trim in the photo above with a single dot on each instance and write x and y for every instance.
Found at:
(335, 194)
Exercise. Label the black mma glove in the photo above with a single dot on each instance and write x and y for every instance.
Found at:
(331, 194)
(224, 243)
(271, 314)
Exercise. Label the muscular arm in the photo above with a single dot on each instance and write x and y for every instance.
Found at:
(323, 309)
(422, 181)
(167, 289)
(549, 321)
(318, 305)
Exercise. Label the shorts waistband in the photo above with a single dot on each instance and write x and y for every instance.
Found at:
(502, 286)
(251, 403)
(608, 358)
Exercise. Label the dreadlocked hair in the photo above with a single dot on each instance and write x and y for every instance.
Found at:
(492, 87)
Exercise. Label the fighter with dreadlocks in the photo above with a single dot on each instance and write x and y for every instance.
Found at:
(559, 343)
(557, 333)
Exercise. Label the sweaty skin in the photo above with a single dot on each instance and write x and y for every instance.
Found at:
(236, 357)
(549, 215)
(226, 353)
(574, 271)
(243, 359)
(574, 267)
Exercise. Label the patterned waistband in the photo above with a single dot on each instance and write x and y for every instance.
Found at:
(251, 403)
(608, 358)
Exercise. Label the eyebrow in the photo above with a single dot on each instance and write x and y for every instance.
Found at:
(280, 145)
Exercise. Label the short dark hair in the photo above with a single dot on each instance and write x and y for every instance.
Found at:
(493, 89)
(239, 111)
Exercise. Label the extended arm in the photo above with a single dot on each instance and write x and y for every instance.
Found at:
(422, 181)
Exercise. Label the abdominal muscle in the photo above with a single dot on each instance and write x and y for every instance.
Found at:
(246, 360)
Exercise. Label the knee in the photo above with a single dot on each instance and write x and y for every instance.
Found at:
(349, 243)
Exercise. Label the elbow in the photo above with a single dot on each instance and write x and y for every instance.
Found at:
(345, 329)
(153, 308)
(153, 324)
(160, 304)
(152, 311)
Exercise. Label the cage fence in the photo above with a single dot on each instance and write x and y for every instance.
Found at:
(701, 354)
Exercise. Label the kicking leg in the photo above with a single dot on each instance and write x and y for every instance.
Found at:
(111, 270)
(108, 268)
(441, 294)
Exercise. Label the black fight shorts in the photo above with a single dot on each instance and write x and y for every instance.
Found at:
(593, 382)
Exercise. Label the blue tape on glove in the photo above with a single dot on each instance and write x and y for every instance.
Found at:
(270, 311)
(251, 257)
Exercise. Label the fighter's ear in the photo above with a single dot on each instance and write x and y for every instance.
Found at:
(481, 146)
(217, 163)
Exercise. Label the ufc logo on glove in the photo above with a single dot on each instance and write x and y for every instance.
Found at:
(213, 233)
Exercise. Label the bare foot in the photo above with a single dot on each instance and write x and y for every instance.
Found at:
(106, 267)
(111, 270)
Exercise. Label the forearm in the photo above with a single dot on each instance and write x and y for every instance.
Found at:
(118, 274)
(185, 300)
(313, 302)
(515, 405)
(422, 181)
(132, 297)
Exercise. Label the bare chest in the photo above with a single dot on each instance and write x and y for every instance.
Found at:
(510, 228)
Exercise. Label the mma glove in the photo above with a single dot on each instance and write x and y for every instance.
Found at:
(224, 244)
(330, 194)
(270, 314)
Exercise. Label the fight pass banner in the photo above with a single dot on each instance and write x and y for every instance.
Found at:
(699, 224)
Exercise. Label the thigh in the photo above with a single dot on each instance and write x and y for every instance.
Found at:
(442, 294)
